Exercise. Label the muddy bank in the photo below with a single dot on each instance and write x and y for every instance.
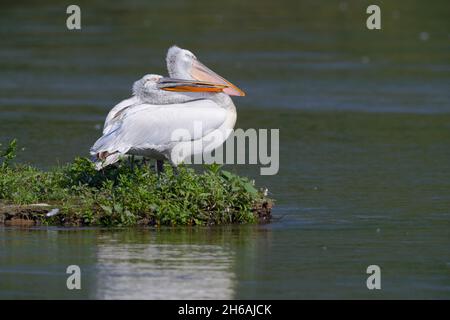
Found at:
(46, 214)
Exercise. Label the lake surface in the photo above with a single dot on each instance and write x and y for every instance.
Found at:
(364, 119)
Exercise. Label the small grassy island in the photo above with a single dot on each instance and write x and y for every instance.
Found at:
(129, 194)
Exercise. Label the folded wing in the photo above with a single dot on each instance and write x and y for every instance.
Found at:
(147, 126)
(117, 111)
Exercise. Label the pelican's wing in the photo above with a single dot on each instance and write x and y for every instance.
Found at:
(117, 111)
(148, 126)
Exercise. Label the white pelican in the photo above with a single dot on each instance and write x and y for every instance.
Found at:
(143, 124)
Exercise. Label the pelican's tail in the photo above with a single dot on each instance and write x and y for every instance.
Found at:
(106, 151)
(107, 160)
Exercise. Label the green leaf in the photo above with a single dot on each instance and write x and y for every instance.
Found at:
(228, 175)
(250, 188)
(107, 209)
(214, 167)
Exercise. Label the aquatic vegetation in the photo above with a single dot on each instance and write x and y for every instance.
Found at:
(130, 193)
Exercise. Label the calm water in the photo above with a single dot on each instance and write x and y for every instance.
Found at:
(364, 120)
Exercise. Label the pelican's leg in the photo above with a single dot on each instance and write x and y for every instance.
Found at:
(175, 169)
(159, 166)
(132, 162)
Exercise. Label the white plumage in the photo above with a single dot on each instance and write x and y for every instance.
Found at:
(147, 123)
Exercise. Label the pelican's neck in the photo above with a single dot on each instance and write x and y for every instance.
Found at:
(163, 97)
(171, 97)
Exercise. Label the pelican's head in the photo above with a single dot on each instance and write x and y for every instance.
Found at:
(146, 85)
(179, 63)
(183, 64)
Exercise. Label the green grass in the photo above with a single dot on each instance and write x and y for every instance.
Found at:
(130, 194)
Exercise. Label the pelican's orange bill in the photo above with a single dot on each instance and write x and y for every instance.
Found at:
(202, 73)
(170, 84)
(193, 89)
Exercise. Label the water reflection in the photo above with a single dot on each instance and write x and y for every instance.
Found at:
(197, 263)
(154, 270)
(166, 263)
